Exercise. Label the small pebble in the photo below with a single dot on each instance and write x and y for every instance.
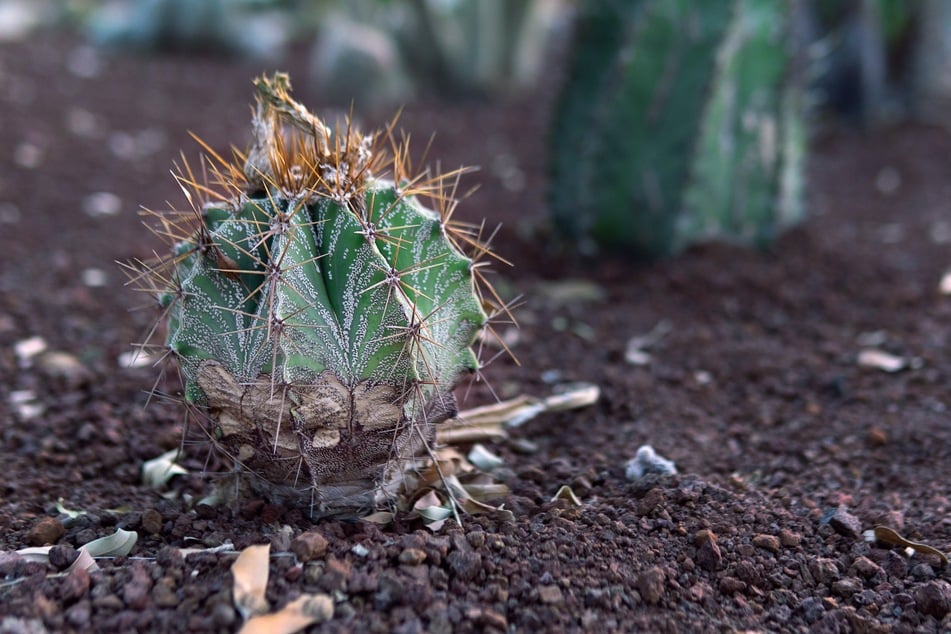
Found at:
(64, 367)
(824, 570)
(75, 585)
(844, 523)
(465, 566)
(709, 556)
(650, 584)
(102, 204)
(412, 556)
(867, 569)
(94, 278)
(46, 531)
(151, 521)
(846, 587)
(934, 598)
(789, 539)
(309, 546)
(164, 593)
(731, 585)
(138, 587)
(767, 542)
(28, 155)
(319, 607)
(78, 615)
(27, 349)
(550, 594)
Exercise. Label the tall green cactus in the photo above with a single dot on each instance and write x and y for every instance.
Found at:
(320, 314)
(680, 121)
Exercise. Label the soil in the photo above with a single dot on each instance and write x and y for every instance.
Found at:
(787, 447)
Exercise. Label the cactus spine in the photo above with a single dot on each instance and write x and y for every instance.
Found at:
(680, 121)
(320, 314)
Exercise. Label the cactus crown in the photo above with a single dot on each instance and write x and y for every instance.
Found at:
(321, 315)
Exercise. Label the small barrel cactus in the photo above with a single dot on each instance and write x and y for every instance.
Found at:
(680, 121)
(320, 314)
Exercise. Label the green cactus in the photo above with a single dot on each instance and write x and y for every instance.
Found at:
(321, 315)
(680, 122)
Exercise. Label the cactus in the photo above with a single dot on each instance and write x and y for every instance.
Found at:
(320, 314)
(680, 121)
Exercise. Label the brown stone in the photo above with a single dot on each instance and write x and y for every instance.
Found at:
(550, 595)
(767, 542)
(412, 556)
(309, 546)
(651, 584)
(46, 531)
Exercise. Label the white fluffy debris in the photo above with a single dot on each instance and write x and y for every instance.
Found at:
(647, 461)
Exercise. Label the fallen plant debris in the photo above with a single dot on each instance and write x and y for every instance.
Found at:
(648, 462)
(119, 544)
(881, 360)
(250, 571)
(636, 351)
(157, 472)
(887, 535)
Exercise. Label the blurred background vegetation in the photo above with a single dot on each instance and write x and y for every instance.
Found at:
(864, 63)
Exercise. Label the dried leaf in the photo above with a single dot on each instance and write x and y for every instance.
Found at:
(119, 544)
(36, 554)
(571, 292)
(891, 536)
(381, 518)
(136, 359)
(157, 472)
(519, 410)
(636, 356)
(434, 513)
(302, 612)
(565, 493)
(85, 561)
(427, 500)
(484, 459)
(222, 548)
(881, 360)
(459, 431)
(250, 571)
(576, 396)
(488, 491)
(68, 512)
(636, 353)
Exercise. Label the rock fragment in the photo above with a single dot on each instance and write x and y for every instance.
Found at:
(650, 584)
(934, 598)
(46, 531)
(309, 546)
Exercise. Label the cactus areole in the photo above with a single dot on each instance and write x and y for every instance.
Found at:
(320, 314)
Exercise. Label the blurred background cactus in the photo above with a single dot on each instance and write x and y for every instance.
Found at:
(679, 122)
(450, 48)
(321, 315)
(257, 28)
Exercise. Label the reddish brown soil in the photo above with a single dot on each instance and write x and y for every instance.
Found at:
(755, 393)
